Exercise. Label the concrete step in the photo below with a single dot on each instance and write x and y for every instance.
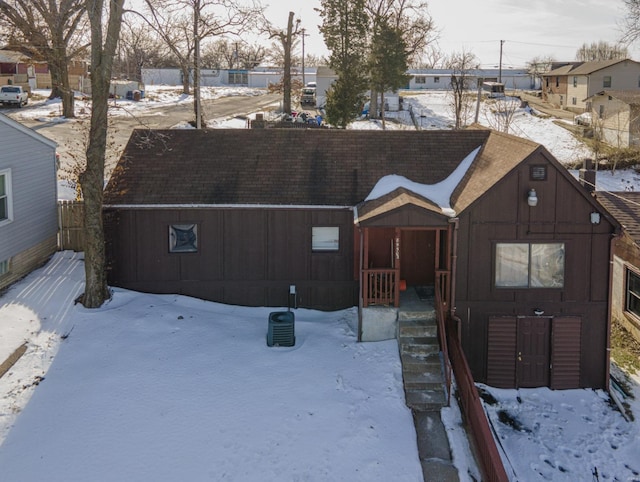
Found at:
(413, 346)
(425, 400)
(417, 327)
(430, 378)
(417, 362)
(428, 313)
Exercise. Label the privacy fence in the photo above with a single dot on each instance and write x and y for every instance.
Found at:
(71, 225)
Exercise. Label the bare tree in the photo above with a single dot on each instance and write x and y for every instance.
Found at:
(104, 41)
(138, 46)
(631, 23)
(48, 30)
(228, 54)
(601, 50)
(462, 65)
(173, 20)
(501, 112)
(540, 65)
(286, 39)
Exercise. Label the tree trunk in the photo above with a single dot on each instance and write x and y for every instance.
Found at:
(384, 126)
(186, 84)
(92, 179)
(59, 68)
(374, 110)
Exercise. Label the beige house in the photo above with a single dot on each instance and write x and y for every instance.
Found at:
(569, 86)
(616, 116)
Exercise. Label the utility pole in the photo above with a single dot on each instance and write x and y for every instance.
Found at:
(304, 34)
(500, 71)
(196, 64)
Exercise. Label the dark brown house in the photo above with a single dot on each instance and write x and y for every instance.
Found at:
(502, 230)
(625, 278)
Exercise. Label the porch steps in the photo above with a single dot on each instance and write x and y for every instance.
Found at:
(421, 363)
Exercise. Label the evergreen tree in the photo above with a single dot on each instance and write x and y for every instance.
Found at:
(344, 28)
(388, 62)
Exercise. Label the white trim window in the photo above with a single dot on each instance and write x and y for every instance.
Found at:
(325, 238)
(632, 302)
(529, 265)
(6, 200)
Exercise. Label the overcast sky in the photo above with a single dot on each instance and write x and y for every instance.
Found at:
(529, 29)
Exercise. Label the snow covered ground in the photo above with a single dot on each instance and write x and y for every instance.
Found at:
(152, 387)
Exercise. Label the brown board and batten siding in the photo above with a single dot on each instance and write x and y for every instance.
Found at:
(577, 310)
(245, 256)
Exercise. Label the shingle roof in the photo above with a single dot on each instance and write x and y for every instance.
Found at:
(301, 166)
(624, 206)
(631, 97)
(585, 68)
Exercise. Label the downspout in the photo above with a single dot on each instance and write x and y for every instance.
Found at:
(615, 238)
(454, 262)
(360, 268)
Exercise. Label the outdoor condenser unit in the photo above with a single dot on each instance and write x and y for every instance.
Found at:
(281, 329)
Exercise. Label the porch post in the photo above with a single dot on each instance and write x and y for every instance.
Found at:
(360, 283)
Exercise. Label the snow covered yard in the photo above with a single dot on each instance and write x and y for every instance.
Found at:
(166, 388)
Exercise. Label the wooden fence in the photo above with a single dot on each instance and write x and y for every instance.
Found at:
(71, 225)
(472, 409)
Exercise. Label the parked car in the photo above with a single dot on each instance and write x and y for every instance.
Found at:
(13, 94)
(308, 96)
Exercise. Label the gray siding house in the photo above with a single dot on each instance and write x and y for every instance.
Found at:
(28, 199)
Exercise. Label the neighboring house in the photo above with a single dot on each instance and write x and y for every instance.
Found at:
(519, 250)
(28, 200)
(625, 293)
(615, 114)
(440, 79)
(568, 86)
(257, 78)
(325, 76)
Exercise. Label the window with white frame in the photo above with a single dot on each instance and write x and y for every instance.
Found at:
(183, 238)
(575, 81)
(436, 80)
(574, 100)
(421, 79)
(606, 81)
(325, 238)
(529, 265)
(6, 205)
(4, 267)
(632, 301)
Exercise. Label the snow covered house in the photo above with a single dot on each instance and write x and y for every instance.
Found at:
(344, 218)
(28, 200)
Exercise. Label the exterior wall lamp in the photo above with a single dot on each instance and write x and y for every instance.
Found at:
(532, 198)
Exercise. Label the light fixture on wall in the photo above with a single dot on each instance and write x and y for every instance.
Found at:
(538, 312)
(595, 218)
(532, 198)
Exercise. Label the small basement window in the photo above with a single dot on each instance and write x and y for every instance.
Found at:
(632, 302)
(183, 238)
(325, 238)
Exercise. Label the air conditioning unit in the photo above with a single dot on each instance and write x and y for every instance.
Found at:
(281, 330)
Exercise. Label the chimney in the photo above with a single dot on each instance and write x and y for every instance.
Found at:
(587, 175)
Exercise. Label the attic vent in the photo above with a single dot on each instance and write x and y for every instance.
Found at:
(281, 330)
(538, 173)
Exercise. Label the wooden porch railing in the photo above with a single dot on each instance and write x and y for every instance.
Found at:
(441, 313)
(381, 287)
